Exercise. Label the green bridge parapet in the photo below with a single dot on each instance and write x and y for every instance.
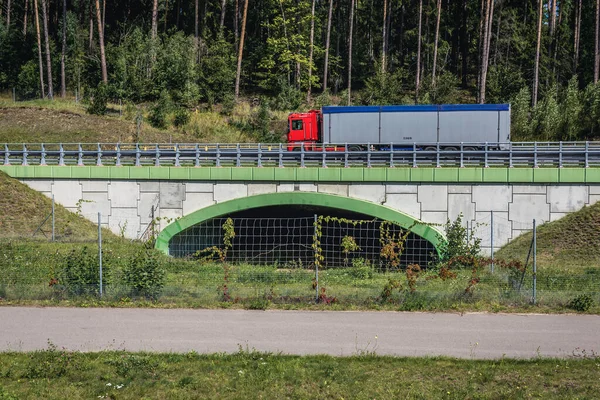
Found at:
(310, 174)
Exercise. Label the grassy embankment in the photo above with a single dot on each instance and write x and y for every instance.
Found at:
(65, 121)
(56, 374)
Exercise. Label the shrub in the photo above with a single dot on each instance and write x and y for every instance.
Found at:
(181, 118)
(99, 99)
(459, 243)
(80, 273)
(581, 303)
(160, 110)
(361, 269)
(144, 275)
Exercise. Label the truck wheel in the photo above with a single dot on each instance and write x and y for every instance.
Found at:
(430, 148)
(354, 148)
(450, 148)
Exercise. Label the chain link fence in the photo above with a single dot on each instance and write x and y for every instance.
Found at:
(299, 260)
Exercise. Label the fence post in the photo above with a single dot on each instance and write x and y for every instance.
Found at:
(492, 238)
(14, 96)
(534, 262)
(100, 248)
(53, 220)
(315, 240)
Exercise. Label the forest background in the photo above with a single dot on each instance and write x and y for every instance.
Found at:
(543, 57)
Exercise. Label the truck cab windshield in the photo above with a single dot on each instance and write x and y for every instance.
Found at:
(296, 124)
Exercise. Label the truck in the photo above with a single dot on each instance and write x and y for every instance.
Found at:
(425, 127)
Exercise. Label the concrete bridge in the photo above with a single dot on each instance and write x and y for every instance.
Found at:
(184, 196)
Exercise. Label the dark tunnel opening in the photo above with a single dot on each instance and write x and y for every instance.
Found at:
(284, 236)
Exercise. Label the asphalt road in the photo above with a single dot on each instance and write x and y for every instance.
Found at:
(471, 335)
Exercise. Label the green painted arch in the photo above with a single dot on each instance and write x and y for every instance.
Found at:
(422, 229)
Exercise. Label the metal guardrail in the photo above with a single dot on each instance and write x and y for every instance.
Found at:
(515, 154)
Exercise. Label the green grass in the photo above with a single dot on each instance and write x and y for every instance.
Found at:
(570, 243)
(65, 121)
(57, 374)
(23, 210)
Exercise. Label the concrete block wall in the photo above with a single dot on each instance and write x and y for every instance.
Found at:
(126, 205)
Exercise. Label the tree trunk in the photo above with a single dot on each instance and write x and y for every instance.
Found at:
(482, 15)
(178, 12)
(577, 35)
(47, 43)
(350, 52)
(484, 52)
(327, 41)
(310, 54)
(166, 15)
(241, 51)
(464, 45)
(223, 9)
(91, 26)
(101, 40)
(536, 72)
(63, 86)
(103, 17)
(383, 36)
(154, 19)
(435, 46)
(25, 18)
(236, 28)
(418, 75)
(39, 45)
(596, 47)
(8, 14)
(196, 23)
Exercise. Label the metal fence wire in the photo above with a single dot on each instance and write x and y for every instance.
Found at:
(363, 261)
(290, 242)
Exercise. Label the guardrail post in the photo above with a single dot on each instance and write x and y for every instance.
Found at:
(486, 163)
(391, 155)
(61, 155)
(510, 155)
(118, 160)
(414, 155)
(177, 155)
(302, 165)
(462, 161)
(368, 155)
(323, 157)
(157, 156)
(280, 155)
(238, 155)
(25, 154)
(99, 156)
(79, 155)
(259, 161)
(43, 156)
(560, 154)
(346, 155)
(6, 155)
(587, 149)
(197, 163)
(437, 155)
(535, 155)
(137, 155)
(218, 156)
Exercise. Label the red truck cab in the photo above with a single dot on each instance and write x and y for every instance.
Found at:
(304, 128)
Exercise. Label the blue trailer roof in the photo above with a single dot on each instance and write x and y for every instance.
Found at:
(416, 108)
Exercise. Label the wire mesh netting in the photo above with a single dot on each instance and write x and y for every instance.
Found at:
(290, 242)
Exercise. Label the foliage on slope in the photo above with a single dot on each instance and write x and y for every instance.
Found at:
(573, 240)
(22, 211)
